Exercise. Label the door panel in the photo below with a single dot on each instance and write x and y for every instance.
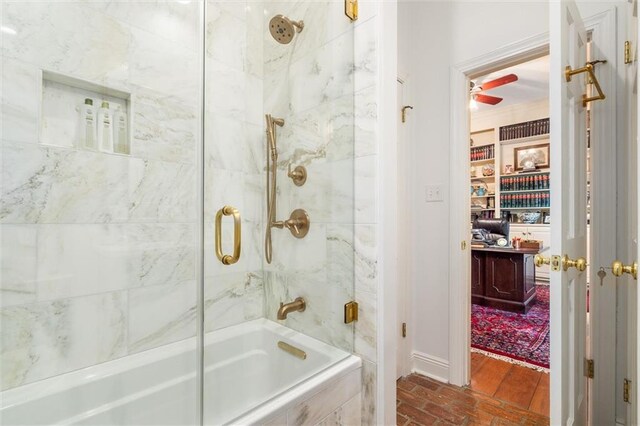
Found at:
(568, 232)
(503, 277)
(477, 277)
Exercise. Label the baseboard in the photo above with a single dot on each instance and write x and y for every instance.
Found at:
(430, 366)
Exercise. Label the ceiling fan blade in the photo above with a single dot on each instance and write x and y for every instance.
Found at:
(509, 78)
(486, 99)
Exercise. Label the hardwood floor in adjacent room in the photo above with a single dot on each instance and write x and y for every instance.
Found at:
(521, 386)
(500, 394)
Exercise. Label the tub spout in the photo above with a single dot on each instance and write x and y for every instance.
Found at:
(286, 308)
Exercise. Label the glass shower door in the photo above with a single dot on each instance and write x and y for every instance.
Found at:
(279, 97)
(101, 119)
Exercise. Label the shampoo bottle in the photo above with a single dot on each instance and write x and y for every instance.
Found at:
(105, 128)
(120, 142)
(87, 126)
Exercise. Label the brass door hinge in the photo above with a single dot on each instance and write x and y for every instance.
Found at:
(626, 390)
(351, 9)
(404, 329)
(463, 245)
(627, 52)
(589, 368)
(350, 312)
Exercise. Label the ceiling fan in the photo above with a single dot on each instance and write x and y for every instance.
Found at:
(478, 96)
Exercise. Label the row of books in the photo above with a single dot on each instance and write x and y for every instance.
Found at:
(524, 130)
(486, 152)
(524, 183)
(536, 199)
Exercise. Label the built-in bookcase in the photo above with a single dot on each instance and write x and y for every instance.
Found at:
(502, 191)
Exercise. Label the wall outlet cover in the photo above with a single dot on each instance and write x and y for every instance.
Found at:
(434, 193)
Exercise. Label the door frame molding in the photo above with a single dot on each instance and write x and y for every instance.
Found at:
(406, 177)
(603, 26)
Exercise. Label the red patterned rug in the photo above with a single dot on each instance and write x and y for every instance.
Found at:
(521, 337)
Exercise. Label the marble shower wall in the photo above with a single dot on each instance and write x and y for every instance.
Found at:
(234, 159)
(366, 246)
(310, 83)
(98, 250)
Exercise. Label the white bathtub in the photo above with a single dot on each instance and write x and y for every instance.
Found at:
(247, 380)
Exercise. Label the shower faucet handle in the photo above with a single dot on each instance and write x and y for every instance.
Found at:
(298, 175)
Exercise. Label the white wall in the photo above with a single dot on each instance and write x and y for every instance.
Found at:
(432, 37)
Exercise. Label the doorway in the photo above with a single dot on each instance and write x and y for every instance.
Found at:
(602, 302)
(509, 160)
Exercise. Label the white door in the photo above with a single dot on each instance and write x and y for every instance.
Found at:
(402, 357)
(568, 41)
(633, 295)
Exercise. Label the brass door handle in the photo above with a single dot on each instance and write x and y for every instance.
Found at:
(618, 269)
(237, 235)
(539, 260)
(580, 263)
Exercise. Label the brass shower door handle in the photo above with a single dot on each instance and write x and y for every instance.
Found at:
(237, 235)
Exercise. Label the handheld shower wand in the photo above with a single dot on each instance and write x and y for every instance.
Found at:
(272, 166)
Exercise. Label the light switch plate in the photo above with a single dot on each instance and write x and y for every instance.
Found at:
(434, 193)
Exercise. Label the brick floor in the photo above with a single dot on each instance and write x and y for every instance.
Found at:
(423, 401)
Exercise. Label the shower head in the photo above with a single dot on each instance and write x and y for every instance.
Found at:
(283, 29)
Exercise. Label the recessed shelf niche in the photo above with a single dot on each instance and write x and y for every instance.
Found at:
(60, 116)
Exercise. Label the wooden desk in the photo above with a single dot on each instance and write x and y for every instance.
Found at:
(503, 278)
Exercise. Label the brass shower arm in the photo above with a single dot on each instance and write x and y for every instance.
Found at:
(589, 68)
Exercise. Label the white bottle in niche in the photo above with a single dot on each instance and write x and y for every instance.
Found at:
(105, 128)
(87, 126)
(120, 142)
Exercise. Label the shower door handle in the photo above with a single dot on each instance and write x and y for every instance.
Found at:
(237, 235)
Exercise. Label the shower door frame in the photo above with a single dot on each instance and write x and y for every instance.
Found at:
(200, 167)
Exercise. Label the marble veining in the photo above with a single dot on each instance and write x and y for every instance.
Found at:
(324, 403)
(366, 264)
(365, 189)
(347, 415)
(44, 339)
(64, 185)
(233, 298)
(18, 265)
(20, 106)
(324, 314)
(369, 392)
(366, 116)
(365, 54)
(173, 307)
(365, 329)
(164, 128)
